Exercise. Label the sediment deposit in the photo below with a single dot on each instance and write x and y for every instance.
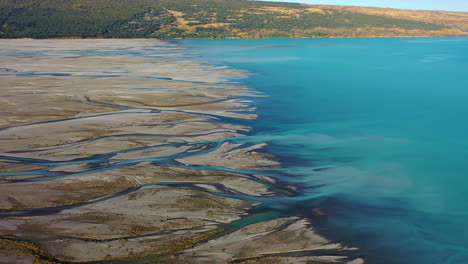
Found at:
(126, 150)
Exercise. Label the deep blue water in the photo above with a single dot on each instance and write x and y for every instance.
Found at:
(374, 131)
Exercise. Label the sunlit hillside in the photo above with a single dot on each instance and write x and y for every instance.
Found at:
(216, 19)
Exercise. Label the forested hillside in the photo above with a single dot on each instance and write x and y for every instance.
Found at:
(215, 19)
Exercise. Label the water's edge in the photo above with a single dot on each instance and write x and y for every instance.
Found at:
(134, 151)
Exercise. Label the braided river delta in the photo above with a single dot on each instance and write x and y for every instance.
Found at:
(234, 151)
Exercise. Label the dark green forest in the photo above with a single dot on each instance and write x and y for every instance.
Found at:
(191, 19)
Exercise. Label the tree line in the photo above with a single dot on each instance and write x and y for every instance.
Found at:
(201, 19)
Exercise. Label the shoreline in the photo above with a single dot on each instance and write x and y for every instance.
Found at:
(123, 150)
(169, 39)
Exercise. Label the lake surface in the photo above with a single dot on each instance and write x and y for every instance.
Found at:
(373, 131)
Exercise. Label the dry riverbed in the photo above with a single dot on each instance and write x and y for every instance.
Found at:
(126, 151)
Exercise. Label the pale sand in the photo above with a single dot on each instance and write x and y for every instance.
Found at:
(133, 162)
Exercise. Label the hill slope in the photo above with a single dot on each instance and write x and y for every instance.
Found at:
(216, 19)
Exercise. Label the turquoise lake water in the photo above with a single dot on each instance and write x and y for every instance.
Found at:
(373, 131)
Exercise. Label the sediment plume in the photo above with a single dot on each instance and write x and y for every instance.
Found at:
(122, 151)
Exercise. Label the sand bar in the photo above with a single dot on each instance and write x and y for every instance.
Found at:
(128, 150)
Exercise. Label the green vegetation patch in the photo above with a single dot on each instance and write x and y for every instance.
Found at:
(183, 19)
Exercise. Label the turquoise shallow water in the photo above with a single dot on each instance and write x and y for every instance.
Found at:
(374, 131)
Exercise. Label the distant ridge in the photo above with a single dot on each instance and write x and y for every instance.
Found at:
(216, 19)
